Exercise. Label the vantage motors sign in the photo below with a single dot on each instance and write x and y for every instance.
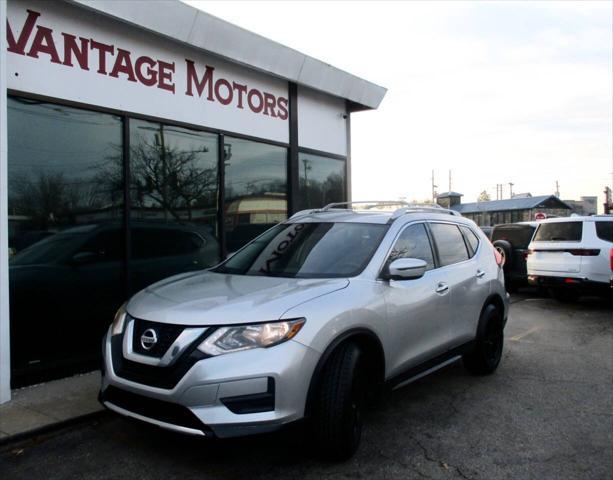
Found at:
(61, 51)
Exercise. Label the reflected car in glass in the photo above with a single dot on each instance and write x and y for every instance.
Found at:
(75, 277)
(307, 322)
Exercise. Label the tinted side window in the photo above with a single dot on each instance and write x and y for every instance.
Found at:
(518, 236)
(413, 243)
(559, 232)
(450, 243)
(604, 230)
(471, 238)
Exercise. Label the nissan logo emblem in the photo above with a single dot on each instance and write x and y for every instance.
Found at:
(148, 339)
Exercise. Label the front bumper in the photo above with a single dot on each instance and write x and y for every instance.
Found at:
(236, 394)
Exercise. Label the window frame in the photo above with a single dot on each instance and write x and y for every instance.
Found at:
(469, 247)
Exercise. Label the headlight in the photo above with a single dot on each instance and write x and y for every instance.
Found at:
(244, 337)
(119, 320)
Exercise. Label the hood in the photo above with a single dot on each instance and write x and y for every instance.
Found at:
(208, 298)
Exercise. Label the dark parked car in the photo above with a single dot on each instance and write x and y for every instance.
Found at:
(512, 240)
(64, 289)
(487, 231)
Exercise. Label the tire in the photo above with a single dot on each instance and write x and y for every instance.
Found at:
(341, 403)
(485, 357)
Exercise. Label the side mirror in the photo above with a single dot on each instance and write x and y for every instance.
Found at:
(407, 269)
(83, 258)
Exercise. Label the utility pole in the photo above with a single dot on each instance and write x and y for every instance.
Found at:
(499, 193)
(449, 181)
(557, 189)
(511, 189)
(433, 188)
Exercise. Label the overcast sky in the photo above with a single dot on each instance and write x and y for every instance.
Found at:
(497, 92)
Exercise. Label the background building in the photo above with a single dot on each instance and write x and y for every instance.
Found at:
(584, 206)
(511, 210)
(141, 142)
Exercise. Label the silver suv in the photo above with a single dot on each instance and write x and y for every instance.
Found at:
(308, 321)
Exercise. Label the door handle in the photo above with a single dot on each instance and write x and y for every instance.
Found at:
(480, 273)
(442, 288)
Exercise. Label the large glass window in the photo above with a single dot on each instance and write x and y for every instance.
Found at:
(173, 196)
(65, 239)
(255, 189)
(322, 181)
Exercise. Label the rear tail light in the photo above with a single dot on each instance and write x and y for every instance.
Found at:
(611, 255)
(584, 252)
(579, 252)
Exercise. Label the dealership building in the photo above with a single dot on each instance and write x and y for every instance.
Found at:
(138, 141)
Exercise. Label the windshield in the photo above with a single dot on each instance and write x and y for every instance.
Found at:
(308, 250)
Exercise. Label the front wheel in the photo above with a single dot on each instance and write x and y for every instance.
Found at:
(485, 357)
(341, 403)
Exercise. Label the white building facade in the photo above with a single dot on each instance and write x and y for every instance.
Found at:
(137, 143)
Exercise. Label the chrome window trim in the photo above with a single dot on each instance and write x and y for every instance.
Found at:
(184, 340)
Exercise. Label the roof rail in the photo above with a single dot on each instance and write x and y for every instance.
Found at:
(424, 207)
(372, 204)
(406, 208)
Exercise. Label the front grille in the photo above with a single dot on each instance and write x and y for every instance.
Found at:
(166, 335)
(163, 411)
(161, 377)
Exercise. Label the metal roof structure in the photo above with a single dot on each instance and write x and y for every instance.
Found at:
(523, 203)
(188, 25)
(449, 194)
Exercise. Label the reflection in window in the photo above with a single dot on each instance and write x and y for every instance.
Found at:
(413, 243)
(174, 191)
(449, 242)
(255, 189)
(322, 181)
(65, 211)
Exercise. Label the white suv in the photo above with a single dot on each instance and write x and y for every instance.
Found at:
(573, 256)
(306, 322)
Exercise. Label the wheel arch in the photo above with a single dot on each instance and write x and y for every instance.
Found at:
(367, 340)
(496, 300)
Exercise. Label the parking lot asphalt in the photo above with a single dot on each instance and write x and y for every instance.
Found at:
(547, 413)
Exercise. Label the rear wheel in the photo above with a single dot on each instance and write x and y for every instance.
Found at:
(341, 403)
(485, 357)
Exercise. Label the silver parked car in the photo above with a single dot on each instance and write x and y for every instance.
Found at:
(308, 321)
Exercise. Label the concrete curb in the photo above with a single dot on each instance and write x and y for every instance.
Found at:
(51, 428)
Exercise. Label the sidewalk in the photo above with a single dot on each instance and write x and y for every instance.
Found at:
(50, 404)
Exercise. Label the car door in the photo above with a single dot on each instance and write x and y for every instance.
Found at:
(466, 281)
(417, 309)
